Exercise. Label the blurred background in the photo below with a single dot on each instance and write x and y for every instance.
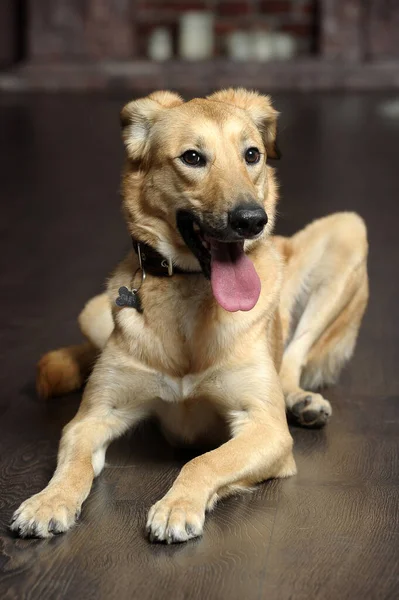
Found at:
(66, 69)
(191, 44)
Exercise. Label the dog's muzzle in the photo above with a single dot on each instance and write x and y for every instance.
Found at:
(245, 221)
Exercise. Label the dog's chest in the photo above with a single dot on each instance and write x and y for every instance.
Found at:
(187, 326)
(180, 389)
(185, 412)
(182, 331)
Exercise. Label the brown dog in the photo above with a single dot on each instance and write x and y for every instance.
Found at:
(199, 341)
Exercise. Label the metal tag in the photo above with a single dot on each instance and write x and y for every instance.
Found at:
(129, 299)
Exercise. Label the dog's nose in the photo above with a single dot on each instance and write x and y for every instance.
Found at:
(248, 220)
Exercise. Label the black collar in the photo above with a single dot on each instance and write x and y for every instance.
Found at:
(153, 263)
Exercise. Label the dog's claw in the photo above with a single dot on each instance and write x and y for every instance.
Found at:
(152, 537)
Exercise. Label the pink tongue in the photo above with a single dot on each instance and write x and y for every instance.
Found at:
(235, 283)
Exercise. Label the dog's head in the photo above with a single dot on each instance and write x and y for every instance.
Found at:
(196, 185)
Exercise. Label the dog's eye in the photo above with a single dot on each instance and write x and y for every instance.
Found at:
(193, 158)
(252, 156)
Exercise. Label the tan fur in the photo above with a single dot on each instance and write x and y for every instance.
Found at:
(208, 375)
(64, 370)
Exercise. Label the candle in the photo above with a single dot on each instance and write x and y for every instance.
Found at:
(284, 46)
(160, 44)
(196, 35)
(239, 45)
(263, 45)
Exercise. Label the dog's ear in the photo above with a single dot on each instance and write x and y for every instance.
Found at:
(260, 110)
(138, 116)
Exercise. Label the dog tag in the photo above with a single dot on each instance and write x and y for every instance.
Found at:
(129, 299)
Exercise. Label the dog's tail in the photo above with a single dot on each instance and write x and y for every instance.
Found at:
(65, 370)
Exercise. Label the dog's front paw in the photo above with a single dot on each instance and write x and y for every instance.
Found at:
(44, 515)
(309, 409)
(175, 519)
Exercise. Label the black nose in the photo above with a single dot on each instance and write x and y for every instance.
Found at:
(248, 220)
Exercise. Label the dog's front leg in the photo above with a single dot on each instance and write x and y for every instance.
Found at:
(115, 399)
(261, 448)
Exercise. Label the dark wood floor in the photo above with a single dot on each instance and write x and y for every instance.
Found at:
(331, 532)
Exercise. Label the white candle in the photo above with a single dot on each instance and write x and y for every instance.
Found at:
(160, 44)
(263, 45)
(196, 35)
(239, 45)
(284, 46)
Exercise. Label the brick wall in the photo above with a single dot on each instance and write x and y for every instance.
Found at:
(94, 30)
(296, 17)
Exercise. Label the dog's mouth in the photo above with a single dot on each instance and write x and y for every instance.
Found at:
(234, 280)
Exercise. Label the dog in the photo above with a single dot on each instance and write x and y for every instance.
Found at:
(211, 324)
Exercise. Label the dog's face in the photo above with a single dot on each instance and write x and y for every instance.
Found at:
(197, 185)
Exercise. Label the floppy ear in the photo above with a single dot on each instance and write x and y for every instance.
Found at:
(260, 110)
(138, 116)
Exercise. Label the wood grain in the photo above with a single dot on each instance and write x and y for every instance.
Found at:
(330, 532)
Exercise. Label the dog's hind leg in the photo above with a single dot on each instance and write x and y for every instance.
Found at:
(66, 369)
(336, 345)
(322, 304)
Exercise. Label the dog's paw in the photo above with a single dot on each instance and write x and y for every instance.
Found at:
(309, 409)
(175, 519)
(44, 515)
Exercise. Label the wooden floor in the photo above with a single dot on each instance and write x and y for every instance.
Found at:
(332, 531)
